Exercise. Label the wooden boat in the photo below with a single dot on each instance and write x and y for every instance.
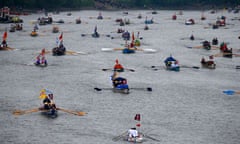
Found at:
(138, 139)
(6, 48)
(53, 113)
(78, 21)
(55, 29)
(33, 34)
(41, 64)
(206, 45)
(208, 64)
(128, 51)
(171, 64)
(96, 35)
(119, 90)
(58, 51)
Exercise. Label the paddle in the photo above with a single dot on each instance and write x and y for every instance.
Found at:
(22, 112)
(195, 67)
(132, 70)
(139, 49)
(231, 92)
(193, 47)
(78, 113)
(75, 52)
(147, 89)
(237, 67)
(147, 136)
(120, 136)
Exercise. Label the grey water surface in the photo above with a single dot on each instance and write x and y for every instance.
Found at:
(186, 107)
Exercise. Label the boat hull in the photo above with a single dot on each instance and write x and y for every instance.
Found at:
(50, 113)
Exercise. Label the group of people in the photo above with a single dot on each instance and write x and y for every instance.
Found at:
(48, 102)
(41, 60)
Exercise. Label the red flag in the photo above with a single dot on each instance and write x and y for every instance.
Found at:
(60, 37)
(138, 125)
(133, 37)
(5, 35)
(137, 117)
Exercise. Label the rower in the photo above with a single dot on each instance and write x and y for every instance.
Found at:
(118, 66)
(132, 133)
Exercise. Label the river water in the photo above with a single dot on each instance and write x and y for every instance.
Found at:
(186, 107)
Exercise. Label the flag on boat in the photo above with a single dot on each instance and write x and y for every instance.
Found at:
(43, 94)
(133, 37)
(137, 117)
(60, 38)
(5, 35)
(138, 124)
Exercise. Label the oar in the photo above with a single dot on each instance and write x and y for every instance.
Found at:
(148, 88)
(111, 49)
(231, 92)
(147, 50)
(100, 89)
(238, 67)
(78, 113)
(132, 70)
(147, 136)
(193, 47)
(195, 67)
(120, 136)
(75, 52)
(21, 112)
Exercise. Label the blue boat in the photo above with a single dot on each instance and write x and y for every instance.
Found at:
(171, 64)
(128, 51)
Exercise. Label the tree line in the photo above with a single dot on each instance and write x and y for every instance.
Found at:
(91, 4)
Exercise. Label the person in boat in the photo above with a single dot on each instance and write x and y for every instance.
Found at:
(118, 81)
(118, 66)
(223, 47)
(126, 35)
(206, 45)
(174, 64)
(4, 43)
(95, 34)
(132, 133)
(215, 41)
(41, 58)
(146, 27)
(48, 103)
(192, 37)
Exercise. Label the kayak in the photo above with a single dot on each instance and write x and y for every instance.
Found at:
(128, 51)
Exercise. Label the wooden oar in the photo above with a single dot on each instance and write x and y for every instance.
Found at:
(147, 136)
(231, 92)
(6, 48)
(195, 67)
(147, 89)
(75, 52)
(193, 47)
(120, 136)
(132, 70)
(21, 112)
(78, 113)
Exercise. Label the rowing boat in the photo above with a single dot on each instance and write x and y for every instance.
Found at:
(121, 90)
(6, 48)
(53, 113)
(209, 65)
